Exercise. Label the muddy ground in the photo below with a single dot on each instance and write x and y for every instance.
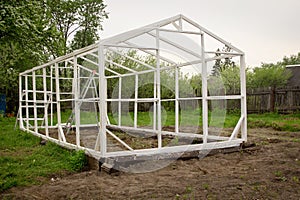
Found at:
(269, 170)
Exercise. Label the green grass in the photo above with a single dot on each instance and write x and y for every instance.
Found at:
(288, 122)
(186, 118)
(217, 118)
(23, 161)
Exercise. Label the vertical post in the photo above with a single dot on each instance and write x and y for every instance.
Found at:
(51, 94)
(45, 102)
(34, 102)
(154, 103)
(119, 102)
(79, 92)
(176, 100)
(135, 100)
(204, 92)
(180, 23)
(57, 100)
(26, 99)
(76, 101)
(103, 97)
(20, 103)
(159, 138)
(243, 98)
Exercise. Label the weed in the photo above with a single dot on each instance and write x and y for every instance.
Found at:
(278, 173)
(189, 189)
(279, 176)
(295, 179)
(206, 186)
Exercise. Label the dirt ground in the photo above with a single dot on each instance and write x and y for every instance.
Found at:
(268, 170)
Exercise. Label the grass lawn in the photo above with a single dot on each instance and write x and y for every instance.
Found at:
(288, 122)
(24, 161)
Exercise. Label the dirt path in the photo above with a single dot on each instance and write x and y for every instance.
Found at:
(270, 170)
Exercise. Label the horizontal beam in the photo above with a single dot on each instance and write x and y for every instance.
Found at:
(129, 46)
(229, 97)
(223, 52)
(63, 58)
(131, 58)
(133, 100)
(153, 54)
(218, 57)
(178, 149)
(177, 31)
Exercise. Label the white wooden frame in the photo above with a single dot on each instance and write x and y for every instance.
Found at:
(52, 99)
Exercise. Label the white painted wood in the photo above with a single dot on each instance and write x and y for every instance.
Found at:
(34, 102)
(103, 97)
(131, 58)
(51, 95)
(119, 102)
(61, 134)
(232, 97)
(153, 54)
(57, 99)
(223, 52)
(177, 100)
(178, 31)
(177, 149)
(236, 128)
(121, 66)
(77, 102)
(204, 92)
(20, 115)
(243, 99)
(46, 102)
(140, 100)
(113, 44)
(119, 140)
(158, 92)
(136, 88)
(218, 57)
(129, 46)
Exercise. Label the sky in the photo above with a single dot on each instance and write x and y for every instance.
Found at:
(266, 30)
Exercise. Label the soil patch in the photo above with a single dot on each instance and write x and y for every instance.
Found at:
(270, 169)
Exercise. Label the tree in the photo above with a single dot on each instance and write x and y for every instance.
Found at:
(292, 60)
(24, 29)
(220, 65)
(196, 83)
(70, 17)
(272, 76)
(227, 81)
(35, 31)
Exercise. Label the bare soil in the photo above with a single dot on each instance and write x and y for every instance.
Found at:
(270, 169)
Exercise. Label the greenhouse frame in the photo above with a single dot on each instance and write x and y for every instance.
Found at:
(57, 99)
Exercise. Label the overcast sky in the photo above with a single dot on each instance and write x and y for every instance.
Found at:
(266, 30)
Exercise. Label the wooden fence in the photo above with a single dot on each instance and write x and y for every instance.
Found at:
(286, 99)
